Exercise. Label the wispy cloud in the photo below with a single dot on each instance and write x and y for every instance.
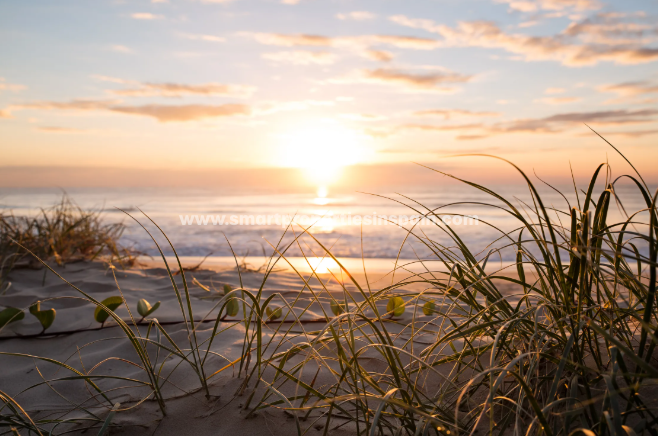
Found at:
(363, 117)
(441, 81)
(557, 100)
(554, 5)
(56, 129)
(378, 55)
(145, 16)
(162, 113)
(355, 42)
(4, 86)
(448, 114)
(633, 92)
(121, 49)
(302, 57)
(555, 91)
(570, 48)
(151, 89)
(434, 81)
(190, 112)
(72, 105)
(208, 38)
(356, 15)
(551, 124)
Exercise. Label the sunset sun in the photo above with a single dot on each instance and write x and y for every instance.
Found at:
(322, 151)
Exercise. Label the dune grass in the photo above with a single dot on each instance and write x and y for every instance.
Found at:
(63, 233)
(572, 354)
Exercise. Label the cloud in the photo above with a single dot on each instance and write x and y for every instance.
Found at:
(448, 114)
(412, 42)
(363, 117)
(378, 55)
(163, 113)
(190, 112)
(566, 48)
(73, 105)
(557, 100)
(151, 89)
(178, 90)
(551, 124)
(302, 57)
(613, 28)
(436, 128)
(121, 49)
(55, 129)
(291, 40)
(410, 81)
(555, 91)
(555, 5)
(632, 92)
(4, 86)
(145, 16)
(356, 15)
(208, 38)
(628, 133)
(358, 43)
(4, 113)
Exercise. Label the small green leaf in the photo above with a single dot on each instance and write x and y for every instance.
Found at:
(9, 315)
(45, 317)
(337, 308)
(232, 307)
(227, 289)
(273, 313)
(429, 308)
(36, 307)
(395, 305)
(144, 308)
(112, 303)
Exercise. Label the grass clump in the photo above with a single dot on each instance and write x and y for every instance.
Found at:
(63, 233)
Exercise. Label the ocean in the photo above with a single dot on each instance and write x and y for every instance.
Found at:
(330, 219)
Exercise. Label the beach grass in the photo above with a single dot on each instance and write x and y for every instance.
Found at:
(63, 233)
(573, 353)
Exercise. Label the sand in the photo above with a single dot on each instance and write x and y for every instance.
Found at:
(83, 345)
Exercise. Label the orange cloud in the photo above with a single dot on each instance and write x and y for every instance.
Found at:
(411, 80)
(302, 57)
(356, 15)
(163, 113)
(351, 42)
(145, 16)
(557, 100)
(209, 38)
(55, 129)
(632, 92)
(73, 105)
(178, 90)
(455, 113)
(4, 86)
(180, 113)
(558, 47)
(291, 40)
(378, 55)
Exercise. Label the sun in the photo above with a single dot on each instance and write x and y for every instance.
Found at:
(322, 151)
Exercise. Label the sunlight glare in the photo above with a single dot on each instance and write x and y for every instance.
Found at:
(322, 151)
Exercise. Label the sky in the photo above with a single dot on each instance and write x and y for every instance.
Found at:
(196, 86)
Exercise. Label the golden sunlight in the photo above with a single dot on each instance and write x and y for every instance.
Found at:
(322, 151)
